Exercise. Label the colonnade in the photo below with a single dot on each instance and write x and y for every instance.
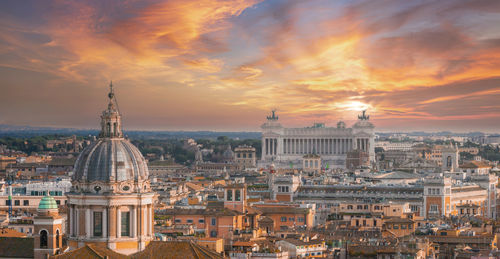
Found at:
(321, 146)
(82, 221)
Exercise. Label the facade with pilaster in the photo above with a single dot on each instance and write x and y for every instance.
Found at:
(285, 147)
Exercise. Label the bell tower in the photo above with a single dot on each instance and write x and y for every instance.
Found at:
(47, 228)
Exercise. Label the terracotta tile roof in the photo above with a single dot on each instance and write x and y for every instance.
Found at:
(7, 232)
(194, 187)
(243, 243)
(16, 247)
(207, 211)
(282, 210)
(475, 164)
(90, 251)
(175, 250)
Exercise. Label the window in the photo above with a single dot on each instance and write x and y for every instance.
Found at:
(349, 207)
(26, 203)
(190, 221)
(214, 221)
(359, 207)
(178, 220)
(17, 203)
(250, 155)
(97, 223)
(202, 221)
(213, 233)
(434, 208)
(43, 239)
(395, 226)
(283, 219)
(291, 219)
(229, 195)
(403, 226)
(58, 202)
(301, 219)
(237, 195)
(57, 239)
(125, 223)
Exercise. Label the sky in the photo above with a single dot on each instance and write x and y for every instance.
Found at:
(224, 65)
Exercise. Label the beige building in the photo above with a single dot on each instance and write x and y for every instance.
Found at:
(213, 243)
(245, 156)
(311, 163)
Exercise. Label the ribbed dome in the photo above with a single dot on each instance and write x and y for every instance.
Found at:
(110, 160)
(47, 203)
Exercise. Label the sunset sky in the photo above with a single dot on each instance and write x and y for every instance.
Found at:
(223, 65)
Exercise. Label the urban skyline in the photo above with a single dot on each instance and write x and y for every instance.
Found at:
(223, 65)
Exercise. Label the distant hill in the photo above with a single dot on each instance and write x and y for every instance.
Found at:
(27, 131)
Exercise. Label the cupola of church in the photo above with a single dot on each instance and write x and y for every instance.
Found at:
(111, 123)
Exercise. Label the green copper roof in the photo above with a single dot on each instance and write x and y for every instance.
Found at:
(47, 203)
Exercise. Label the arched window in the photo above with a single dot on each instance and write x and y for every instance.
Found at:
(108, 129)
(43, 239)
(115, 126)
(57, 239)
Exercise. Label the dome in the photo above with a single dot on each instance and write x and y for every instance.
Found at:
(110, 160)
(228, 154)
(47, 203)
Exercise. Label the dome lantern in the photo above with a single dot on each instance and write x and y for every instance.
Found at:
(111, 122)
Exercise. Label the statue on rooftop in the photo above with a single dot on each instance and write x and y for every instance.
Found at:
(364, 116)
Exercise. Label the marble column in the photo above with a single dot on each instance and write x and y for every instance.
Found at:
(87, 222)
(71, 221)
(77, 218)
(118, 223)
(134, 221)
(105, 222)
(263, 145)
(150, 220)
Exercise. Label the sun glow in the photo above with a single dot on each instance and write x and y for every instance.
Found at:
(353, 106)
